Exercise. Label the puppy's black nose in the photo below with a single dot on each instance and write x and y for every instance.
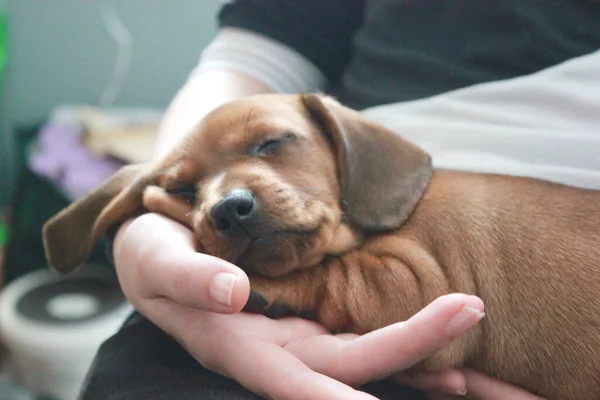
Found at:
(235, 213)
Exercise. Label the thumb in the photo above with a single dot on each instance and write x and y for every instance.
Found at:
(156, 257)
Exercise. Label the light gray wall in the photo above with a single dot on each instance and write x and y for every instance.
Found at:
(61, 52)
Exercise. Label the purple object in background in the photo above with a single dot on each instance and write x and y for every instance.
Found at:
(61, 158)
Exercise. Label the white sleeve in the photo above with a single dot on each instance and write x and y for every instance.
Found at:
(278, 66)
(544, 125)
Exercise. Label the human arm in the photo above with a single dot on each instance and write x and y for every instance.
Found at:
(192, 102)
(263, 47)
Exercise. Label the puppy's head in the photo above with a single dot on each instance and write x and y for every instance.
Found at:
(272, 183)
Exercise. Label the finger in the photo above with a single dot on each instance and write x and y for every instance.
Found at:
(277, 374)
(156, 200)
(156, 257)
(289, 329)
(226, 345)
(191, 324)
(394, 348)
(450, 382)
(483, 387)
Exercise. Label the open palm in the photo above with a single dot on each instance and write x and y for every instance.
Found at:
(164, 277)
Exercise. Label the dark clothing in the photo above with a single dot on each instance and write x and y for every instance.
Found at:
(373, 52)
(142, 363)
(382, 51)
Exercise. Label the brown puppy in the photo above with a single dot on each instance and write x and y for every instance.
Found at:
(336, 215)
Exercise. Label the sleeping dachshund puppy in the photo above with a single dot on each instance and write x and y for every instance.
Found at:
(332, 214)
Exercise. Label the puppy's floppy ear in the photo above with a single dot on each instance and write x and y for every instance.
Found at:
(70, 235)
(382, 175)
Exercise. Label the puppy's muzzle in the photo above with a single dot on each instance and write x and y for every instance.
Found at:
(236, 213)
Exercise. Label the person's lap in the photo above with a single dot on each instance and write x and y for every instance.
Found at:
(142, 362)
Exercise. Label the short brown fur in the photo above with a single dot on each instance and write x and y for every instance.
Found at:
(357, 227)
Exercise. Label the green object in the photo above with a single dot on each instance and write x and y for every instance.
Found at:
(3, 42)
(3, 234)
(6, 148)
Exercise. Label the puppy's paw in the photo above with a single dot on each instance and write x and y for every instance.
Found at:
(275, 299)
(257, 304)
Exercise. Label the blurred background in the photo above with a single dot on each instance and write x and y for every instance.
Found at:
(83, 85)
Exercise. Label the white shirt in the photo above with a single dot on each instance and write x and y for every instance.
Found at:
(544, 125)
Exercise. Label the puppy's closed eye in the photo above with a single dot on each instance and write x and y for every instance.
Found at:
(270, 146)
(185, 191)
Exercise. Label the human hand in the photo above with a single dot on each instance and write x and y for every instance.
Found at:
(170, 283)
(482, 387)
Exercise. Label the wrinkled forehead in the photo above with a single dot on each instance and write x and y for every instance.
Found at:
(246, 121)
(232, 129)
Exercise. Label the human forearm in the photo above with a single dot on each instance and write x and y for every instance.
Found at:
(202, 93)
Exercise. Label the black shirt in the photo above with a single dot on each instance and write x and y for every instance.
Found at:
(383, 51)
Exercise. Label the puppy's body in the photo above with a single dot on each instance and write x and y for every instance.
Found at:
(541, 289)
(332, 214)
(531, 251)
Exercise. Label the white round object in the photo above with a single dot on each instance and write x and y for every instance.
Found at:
(53, 325)
(76, 305)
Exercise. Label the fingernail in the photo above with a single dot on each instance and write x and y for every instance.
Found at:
(462, 392)
(464, 319)
(221, 288)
